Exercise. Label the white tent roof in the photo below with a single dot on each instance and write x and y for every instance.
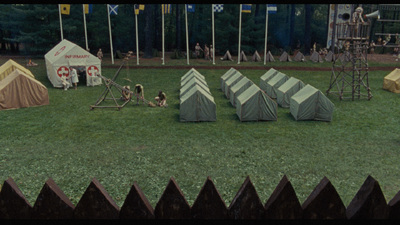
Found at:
(68, 51)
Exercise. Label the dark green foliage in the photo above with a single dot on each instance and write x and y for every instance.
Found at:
(35, 28)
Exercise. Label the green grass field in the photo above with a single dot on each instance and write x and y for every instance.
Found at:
(68, 142)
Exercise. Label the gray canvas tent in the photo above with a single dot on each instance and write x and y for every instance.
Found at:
(287, 90)
(269, 57)
(183, 83)
(274, 83)
(329, 56)
(285, 57)
(226, 76)
(345, 57)
(190, 73)
(197, 105)
(192, 82)
(254, 105)
(238, 88)
(266, 77)
(311, 104)
(227, 56)
(243, 57)
(299, 57)
(316, 57)
(230, 82)
(256, 57)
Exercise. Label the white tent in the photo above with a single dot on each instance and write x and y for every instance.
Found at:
(66, 54)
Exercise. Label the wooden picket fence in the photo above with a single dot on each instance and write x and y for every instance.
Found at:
(323, 203)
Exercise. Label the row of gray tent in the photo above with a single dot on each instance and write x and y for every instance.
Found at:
(252, 104)
(305, 101)
(196, 102)
(299, 57)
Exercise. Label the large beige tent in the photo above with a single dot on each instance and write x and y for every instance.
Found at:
(19, 90)
(66, 54)
(9, 66)
(391, 82)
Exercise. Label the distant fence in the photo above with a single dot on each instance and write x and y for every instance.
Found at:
(323, 203)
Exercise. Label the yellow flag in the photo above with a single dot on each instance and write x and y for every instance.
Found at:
(65, 9)
(138, 8)
(86, 8)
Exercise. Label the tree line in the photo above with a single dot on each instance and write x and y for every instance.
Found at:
(34, 29)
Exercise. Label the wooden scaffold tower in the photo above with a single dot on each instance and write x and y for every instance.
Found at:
(349, 78)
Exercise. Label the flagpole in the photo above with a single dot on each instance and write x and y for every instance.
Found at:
(59, 12)
(84, 22)
(240, 30)
(266, 34)
(213, 34)
(109, 29)
(137, 41)
(187, 36)
(162, 12)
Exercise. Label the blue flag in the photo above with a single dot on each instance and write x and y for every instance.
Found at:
(272, 8)
(218, 7)
(113, 9)
(190, 7)
(246, 8)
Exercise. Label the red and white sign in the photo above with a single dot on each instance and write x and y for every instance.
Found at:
(59, 51)
(92, 70)
(63, 70)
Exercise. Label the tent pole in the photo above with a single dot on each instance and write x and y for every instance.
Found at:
(240, 30)
(61, 29)
(187, 36)
(213, 33)
(162, 12)
(109, 29)
(137, 41)
(266, 34)
(84, 23)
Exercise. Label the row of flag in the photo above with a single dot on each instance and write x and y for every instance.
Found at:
(166, 8)
(65, 8)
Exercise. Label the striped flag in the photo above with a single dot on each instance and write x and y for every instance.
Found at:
(138, 8)
(190, 7)
(218, 7)
(113, 9)
(246, 8)
(88, 8)
(272, 8)
(65, 9)
(166, 8)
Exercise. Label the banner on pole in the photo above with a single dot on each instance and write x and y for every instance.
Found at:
(166, 8)
(88, 8)
(272, 8)
(246, 8)
(65, 9)
(113, 9)
(190, 7)
(218, 7)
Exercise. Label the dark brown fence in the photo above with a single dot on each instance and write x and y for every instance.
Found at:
(323, 203)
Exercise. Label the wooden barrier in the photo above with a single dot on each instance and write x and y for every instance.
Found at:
(323, 203)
